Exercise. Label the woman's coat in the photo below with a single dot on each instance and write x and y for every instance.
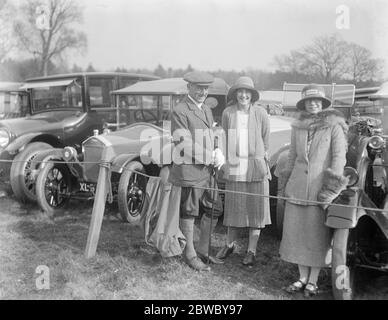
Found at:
(306, 168)
(258, 143)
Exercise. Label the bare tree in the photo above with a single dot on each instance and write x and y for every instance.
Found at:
(323, 60)
(329, 59)
(361, 65)
(7, 43)
(47, 29)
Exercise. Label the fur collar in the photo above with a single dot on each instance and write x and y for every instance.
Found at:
(325, 119)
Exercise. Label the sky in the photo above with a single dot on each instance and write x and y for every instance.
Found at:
(221, 34)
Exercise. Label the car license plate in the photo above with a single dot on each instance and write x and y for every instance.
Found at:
(87, 187)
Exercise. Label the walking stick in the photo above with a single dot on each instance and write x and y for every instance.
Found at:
(214, 174)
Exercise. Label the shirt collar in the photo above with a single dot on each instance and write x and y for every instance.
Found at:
(199, 105)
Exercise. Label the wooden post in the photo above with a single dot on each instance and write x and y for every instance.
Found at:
(98, 211)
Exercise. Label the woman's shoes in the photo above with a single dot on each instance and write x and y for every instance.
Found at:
(225, 252)
(310, 290)
(249, 259)
(297, 286)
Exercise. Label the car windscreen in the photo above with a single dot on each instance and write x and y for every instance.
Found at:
(56, 97)
(144, 108)
(13, 104)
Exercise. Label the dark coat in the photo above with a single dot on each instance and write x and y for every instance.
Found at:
(193, 155)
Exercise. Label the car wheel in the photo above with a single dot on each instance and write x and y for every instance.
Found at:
(53, 187)
(276, 205)
(344, 270)
(132, 191)
(22, 177)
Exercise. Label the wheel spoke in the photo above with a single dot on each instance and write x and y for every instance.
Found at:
(55, 186)
(55, 173)
(51, 200)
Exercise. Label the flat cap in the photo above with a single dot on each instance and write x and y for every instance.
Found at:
(199, 78)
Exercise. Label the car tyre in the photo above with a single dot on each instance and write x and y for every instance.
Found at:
(276, 206)
(344, 271)
(22, 182)
(53, 187)
(280, 206)
(132, 192)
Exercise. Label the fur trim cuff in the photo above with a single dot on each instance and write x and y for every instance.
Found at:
(332, 186)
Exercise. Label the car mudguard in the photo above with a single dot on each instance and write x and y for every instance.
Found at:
(347, 218)
(21, 141)
(119, 162)
(47, 155)
(41, 156)
(278, 156)
(379, 217)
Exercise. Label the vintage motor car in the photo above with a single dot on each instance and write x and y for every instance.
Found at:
(64, 111)
(146, 108)
(360, 240)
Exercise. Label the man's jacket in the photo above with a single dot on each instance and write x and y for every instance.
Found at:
(192, 131)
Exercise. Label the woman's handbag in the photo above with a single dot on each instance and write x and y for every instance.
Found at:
(341, 217)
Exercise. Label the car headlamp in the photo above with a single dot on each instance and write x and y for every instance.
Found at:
(4, 137)
(352, 174)
(376, 142)
(69, 153)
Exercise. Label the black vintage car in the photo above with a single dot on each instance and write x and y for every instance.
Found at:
(143, 116)
(64, 111)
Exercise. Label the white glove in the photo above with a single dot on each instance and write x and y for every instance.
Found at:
(218, 158)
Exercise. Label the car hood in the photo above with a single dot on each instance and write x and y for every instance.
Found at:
(46, 121)
(130, 140)
(133, 139)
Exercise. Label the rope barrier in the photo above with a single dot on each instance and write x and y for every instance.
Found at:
(107, 164)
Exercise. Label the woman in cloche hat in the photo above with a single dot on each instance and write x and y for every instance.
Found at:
(314, 172)
(247, 132)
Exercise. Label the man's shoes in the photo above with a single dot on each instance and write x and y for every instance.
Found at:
(249, 259)
(225, 252)
(197, 264)
(211, 259)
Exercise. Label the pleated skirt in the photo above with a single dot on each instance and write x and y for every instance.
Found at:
(247, 210)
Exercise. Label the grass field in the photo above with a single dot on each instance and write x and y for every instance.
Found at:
(125, 267)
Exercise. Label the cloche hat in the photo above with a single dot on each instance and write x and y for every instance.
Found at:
(313, 91)
(243, 83)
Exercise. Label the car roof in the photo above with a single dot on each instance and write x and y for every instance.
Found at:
(175, 86)
(10, 86)
(79, 74)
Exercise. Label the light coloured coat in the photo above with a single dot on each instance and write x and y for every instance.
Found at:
(258, 143)
(306, 169)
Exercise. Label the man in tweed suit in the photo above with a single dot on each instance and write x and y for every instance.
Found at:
(191, 125)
